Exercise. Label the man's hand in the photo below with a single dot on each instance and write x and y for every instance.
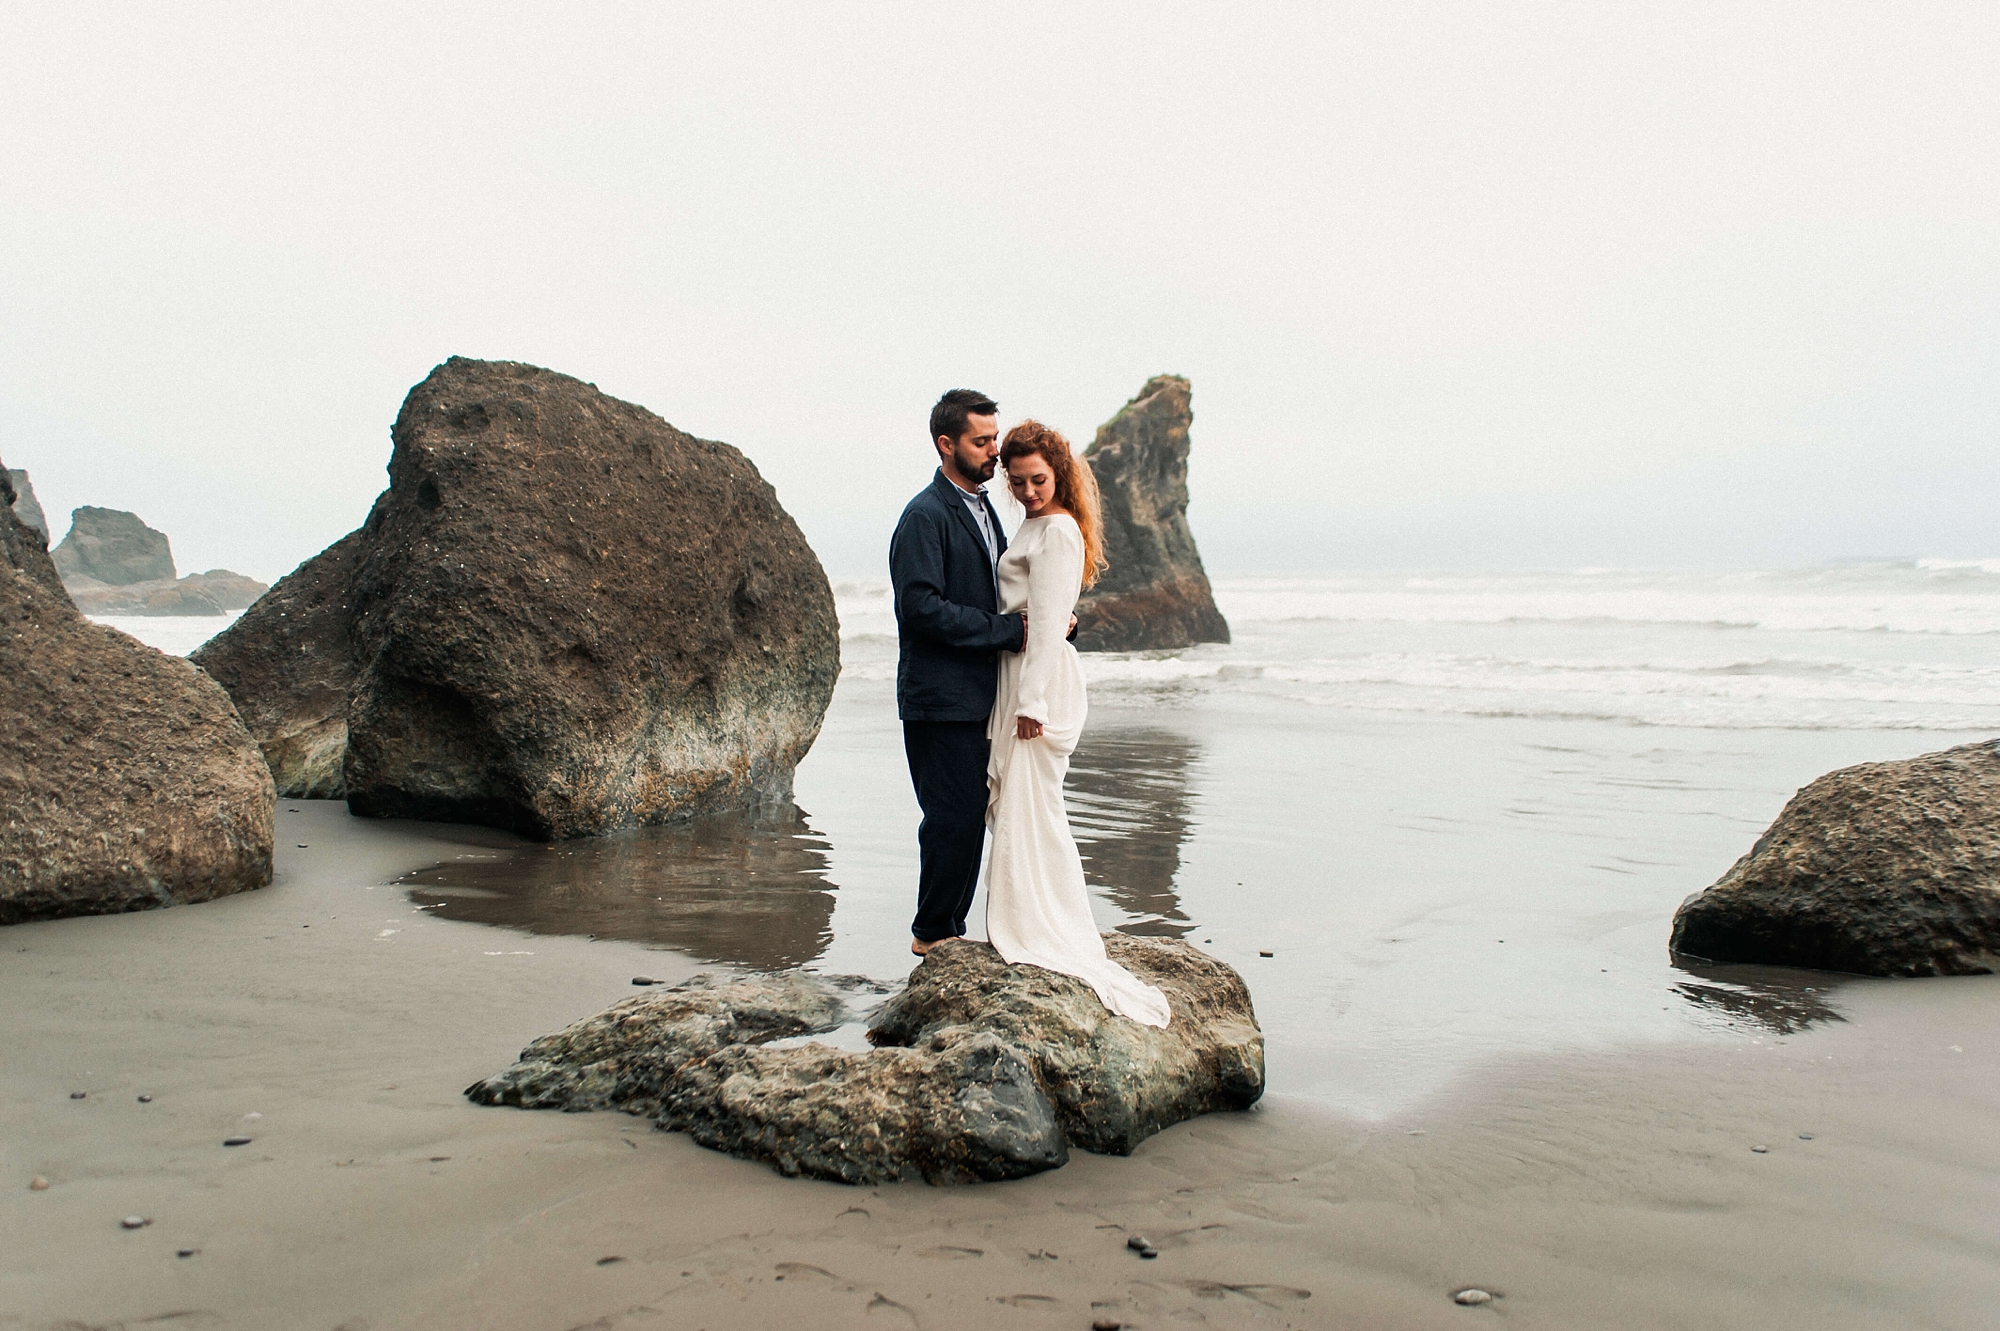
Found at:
(1027, 727)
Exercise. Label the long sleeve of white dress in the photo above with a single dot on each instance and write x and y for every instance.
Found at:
(1055, 579)
(1037, 901)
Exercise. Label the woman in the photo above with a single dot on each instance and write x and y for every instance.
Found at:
(1037, 908)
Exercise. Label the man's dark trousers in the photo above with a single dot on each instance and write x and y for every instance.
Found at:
(948, 768)
(949, 636)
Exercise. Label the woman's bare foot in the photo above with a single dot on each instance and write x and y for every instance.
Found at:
(919, 946)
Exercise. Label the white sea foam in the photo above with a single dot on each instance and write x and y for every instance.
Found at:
(1885, 645)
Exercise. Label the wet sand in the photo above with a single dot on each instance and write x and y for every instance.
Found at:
(1609, 1186)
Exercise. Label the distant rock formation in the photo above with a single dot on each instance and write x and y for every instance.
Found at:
(982, 1071)
(126, 779)
(563, 616)
(215, 592)
(1881, 869)
(25, 506)
(113, 547)
(1155, 593)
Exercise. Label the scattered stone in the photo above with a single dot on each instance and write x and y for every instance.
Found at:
(134, 1222)
(643, 980)
(145, 1099)
(1472, 1298)
(1113, 1082)
(563, 617)
(1137, 1241)
(1886, 868)
(38, 1184)
(613, 1261)
(128, 778)
(1805, 1136)
(112, 546)
(187, 1252)
(235, 1141)
(1761, 1150)
(1267, 954)
(1142, 1247)
(1106, 1324)
(1155, 593)
(78, 1095)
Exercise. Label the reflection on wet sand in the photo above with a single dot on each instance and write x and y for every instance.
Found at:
(1776, 998)
(1130, 808)
(735, 889)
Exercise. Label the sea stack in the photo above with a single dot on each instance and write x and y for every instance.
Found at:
(564, 616)
(1155, 593)
(111, 546)
(126, 779)
(25, 506)
(1881, 869)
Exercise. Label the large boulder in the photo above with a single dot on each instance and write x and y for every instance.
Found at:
(113, 547)
(1881, 869)
(1155, 593)
(563, 616)
(126, 779)
(215, 592)
(24, 504)
(982, 1071)
(1113, 1082)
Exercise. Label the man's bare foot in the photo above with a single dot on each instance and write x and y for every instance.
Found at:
(919, 946)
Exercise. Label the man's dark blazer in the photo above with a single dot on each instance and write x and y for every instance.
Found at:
(947, 630)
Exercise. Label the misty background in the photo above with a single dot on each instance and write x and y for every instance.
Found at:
(1456, 285)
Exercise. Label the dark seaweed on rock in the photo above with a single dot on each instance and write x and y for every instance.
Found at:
(563, 616)
(126, 778)
(1881, 869)
(1155, 594)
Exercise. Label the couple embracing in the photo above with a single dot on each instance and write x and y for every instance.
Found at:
(991, 694)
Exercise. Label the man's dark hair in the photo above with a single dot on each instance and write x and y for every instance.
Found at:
(948, 416)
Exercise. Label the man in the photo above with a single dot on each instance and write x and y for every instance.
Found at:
(943, 561)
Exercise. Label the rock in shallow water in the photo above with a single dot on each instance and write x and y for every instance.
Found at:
(982, 1071)
(564, 616)
(1155, 594)
(1881, 869)
(112, 546)
(126, 778)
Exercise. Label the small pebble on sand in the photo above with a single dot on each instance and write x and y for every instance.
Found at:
(1267, 954)
(1471, 1298)
(1137, 1243)
(235, 1141)
(145, 1099)
(1805, 1136)
(187, 1252)
(78, 1095)
(38, 1184)
(643, 980)
(1106, 1324)
(1761, 1150)
(133, 1222)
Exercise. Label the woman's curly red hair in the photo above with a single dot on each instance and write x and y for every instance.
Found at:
(1076, 486)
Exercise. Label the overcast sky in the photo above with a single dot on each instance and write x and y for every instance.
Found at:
(1456, 285)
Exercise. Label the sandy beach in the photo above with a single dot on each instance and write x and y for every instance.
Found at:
(1616, 1186)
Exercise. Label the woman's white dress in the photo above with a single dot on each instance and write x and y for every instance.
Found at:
(1037, 906)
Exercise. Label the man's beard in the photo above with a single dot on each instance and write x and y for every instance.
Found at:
(980, 470)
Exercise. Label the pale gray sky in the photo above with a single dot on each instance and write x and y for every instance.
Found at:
(1456, 284)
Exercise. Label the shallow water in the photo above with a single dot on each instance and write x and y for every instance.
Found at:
(1459, 811)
